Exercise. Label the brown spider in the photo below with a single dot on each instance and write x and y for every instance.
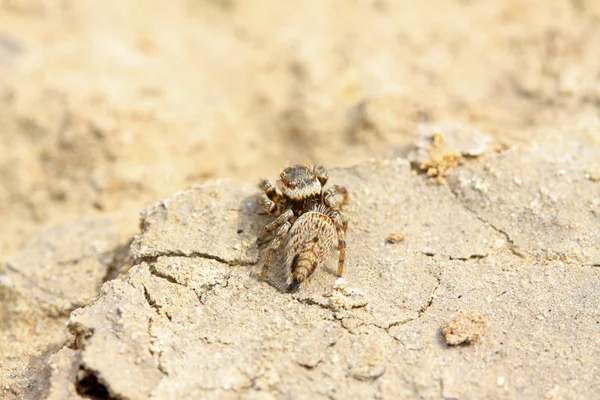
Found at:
(310, 215)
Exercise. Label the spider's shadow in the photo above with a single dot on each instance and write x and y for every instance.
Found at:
(251, 222)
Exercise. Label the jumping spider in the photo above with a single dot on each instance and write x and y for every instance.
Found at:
(310, 215)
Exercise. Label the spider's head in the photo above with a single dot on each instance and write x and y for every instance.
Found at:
(299, 182)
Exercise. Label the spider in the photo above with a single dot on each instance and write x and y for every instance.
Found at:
(309, 215)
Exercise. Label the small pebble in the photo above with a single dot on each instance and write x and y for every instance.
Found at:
(465, 327)
(395, 238)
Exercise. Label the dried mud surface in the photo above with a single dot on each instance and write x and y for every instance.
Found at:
(471, 133)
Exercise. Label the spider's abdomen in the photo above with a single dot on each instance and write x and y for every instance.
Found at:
(310, 243)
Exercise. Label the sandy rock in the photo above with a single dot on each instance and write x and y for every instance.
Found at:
(62, 268)
(192, 320)
(65, 367)
(396, 237)
(440, 148)
(459, 138)
(465, 327)
(541, 206)
(59, 269)
(105, 109)
(204, 217)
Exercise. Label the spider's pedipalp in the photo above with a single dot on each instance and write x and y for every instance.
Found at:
(267, 187)
(321, 174)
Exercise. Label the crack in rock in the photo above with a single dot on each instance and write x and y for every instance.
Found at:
(153, 258)
(151, 302)
(452, 258)
(431, 298)
(168, 278)
(471, 257)
(89, 385)
(510, 244)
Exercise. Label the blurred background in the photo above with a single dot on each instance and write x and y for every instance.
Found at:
(107, 107)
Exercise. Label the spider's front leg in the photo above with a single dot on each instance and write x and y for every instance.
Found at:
(331, 202)
(281, 232)
(329, 197)
(279, 221)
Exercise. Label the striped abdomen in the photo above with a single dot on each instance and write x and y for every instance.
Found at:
(311, 240)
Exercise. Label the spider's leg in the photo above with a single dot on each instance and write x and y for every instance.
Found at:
(321, 174)
(282, 219)
(267, 204)
(281, 232)
(340, 227)
(344, 222)
(329, 197)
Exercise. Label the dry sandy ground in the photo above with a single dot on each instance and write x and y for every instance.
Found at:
(108, 107)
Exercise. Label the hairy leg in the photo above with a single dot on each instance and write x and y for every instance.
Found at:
(281, 232)
(282, 219)
(340, 228)
(267, 204)
(332, 203)
(329, 197)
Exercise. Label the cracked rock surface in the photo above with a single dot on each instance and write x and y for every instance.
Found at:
(58, 270)
(490, 109)
(62, 268)
(548, 209)
(192, 319)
